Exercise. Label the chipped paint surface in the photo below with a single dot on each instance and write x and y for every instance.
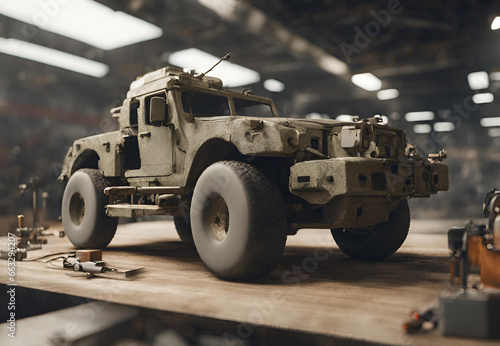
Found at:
(326, 169)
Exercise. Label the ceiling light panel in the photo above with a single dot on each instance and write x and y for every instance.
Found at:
(444, 126)
(232, 75)
(495, 132)
(82, 20)
(367, 81)
(495, 25)
(422, 128)
(52, 57)
(478, 80)
(388, 94)
(490, 122)
(483, 98)
(495, 76)
(274, 85)
(420, 116)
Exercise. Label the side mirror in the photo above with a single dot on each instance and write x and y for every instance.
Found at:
(157, 111)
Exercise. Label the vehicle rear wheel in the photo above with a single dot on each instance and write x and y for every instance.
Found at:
(83, 210)
(238, 221)
(379, 242)
(183, 227)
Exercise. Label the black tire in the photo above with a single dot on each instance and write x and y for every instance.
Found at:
(380, 242)
(83, 210)
(183, 227)
(238, 221)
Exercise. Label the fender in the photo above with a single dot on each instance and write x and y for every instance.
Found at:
(101, 151)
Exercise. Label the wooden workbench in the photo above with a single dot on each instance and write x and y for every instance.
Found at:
(332, 294)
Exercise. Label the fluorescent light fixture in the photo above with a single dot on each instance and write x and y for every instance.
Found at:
(224, 8)
(388, 94)
(367, 81)
(495, 25)
(52, 57)
(478, 80)
(495, 76)
(422, 128)
(420, 116)
(331, 64)
(231, 74)
(395, 115)
(494, 132)
(345, 117)
(315, 115)
(444, 126)
(274, 85)
(490, 122)
(82, 20)
(483, 98)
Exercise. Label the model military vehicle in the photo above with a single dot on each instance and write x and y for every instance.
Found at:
(238, 179)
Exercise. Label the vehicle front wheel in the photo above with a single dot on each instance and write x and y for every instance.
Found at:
(84, 210)
(238, 221)
(379, 242)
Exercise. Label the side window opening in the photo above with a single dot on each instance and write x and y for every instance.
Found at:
(204, 105)
(134, 107)
(132, 156)
(252, 109)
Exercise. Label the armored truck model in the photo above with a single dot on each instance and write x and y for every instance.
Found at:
(238, 179)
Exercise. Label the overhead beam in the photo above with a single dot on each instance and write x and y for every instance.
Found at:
(260, 23)
(415, 69)
(423, 23)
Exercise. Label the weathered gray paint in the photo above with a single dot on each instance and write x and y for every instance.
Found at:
(337, 166)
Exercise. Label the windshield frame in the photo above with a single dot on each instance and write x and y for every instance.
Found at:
(230, 95)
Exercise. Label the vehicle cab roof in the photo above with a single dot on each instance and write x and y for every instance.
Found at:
(174, 77)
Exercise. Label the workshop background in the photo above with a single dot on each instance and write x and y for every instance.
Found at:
(429, 67)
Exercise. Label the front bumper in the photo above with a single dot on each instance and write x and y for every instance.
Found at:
(319, 181)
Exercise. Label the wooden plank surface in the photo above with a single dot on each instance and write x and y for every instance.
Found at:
(315, 288)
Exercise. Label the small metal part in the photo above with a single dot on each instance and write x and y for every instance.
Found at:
(439, 157)
(92, 267)
(377, 119)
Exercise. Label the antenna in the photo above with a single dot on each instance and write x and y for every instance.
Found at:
(225, 57)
